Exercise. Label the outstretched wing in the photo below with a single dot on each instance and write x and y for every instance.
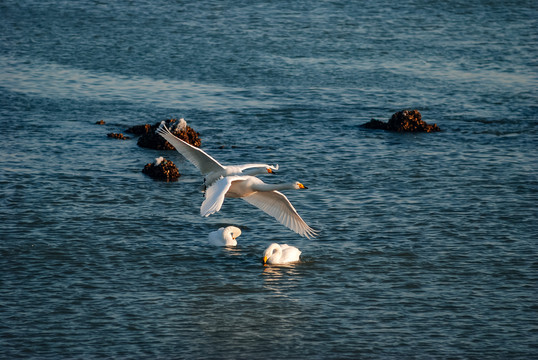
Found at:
(278, 206)
(196, 156)
(214, 195)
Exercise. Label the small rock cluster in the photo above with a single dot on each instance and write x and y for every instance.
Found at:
(162, 170)
(149, 139)
(403, 121)
(119, 136)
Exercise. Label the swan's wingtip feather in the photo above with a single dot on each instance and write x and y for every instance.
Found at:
(162, 129)
(310, 233)
(205, 213)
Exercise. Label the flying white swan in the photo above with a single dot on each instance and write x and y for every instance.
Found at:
(225, 236)
(264, 196)
(280, 254)
(209, 167)
(238, 182)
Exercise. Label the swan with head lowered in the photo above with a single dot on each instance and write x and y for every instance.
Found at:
(210, 168)
(225, 236)
(277, 254)
(239, 182)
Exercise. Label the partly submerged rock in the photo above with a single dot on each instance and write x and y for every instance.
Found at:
(162, 169)
(376, 124)
(403, 121)
(139, 129)
(119, 136)
(149, 139)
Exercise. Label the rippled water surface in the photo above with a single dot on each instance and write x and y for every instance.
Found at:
(428, 244)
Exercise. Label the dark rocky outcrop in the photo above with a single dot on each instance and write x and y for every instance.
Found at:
(162, 170)
(119, 136)
(100, 122)
(403, 121)
(140, 129)
(149, 139)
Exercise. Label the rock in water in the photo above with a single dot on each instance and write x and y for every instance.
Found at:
(118, 136)
(149, 139)
(403, 121)
(162, 170)
(410, 120)
(376, 124)
(140, 129)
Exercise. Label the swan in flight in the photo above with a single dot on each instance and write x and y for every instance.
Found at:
(238, 182)
(266, 197)
(277, 254)
(225, 236)
(209, 167)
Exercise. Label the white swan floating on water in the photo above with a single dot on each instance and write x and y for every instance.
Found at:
(238, 182)
(277, 254)
(224, 236)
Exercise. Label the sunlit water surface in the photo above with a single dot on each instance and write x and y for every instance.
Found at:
(428, 241)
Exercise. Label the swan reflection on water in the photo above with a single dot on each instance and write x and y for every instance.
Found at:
(277, 272)
(279, 280)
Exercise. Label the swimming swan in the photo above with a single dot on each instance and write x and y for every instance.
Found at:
(225, 236)
(209, 167)
(280, 254)
(266, 197)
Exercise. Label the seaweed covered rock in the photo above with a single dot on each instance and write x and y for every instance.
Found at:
(139, 129)
(162, 169)
(149, 139)
(119, 136)
(403, 121)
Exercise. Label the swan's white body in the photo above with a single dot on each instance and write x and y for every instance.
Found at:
(238, 182)
(277, 254)
(209, 167)
(225, 236)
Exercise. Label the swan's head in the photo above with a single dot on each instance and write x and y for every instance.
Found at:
(298, 185)
(272, 169)
(234, 232)
(270, 251)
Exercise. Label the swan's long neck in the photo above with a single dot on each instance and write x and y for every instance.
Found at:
(271, 187)
(255, 171)
(274, 253)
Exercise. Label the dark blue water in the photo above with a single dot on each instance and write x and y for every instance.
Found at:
(428, 245)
